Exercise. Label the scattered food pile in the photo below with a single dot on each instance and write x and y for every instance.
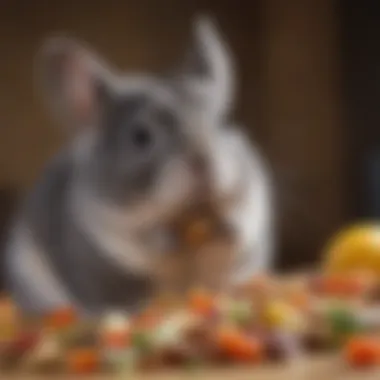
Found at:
(265, 320)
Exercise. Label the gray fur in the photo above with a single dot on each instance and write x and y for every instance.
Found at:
(143, 149)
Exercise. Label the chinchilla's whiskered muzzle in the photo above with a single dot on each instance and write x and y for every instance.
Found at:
(142, 149)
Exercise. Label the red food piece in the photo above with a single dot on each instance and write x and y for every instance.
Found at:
(15, 351)
(147, 320)
(25, 342)
(239, 346)
(117, 339)
(61, 318)
(83, 361)
(202, 303)
(345, 286)
(363, 351)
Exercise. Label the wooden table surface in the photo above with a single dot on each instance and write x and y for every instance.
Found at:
(317, 368)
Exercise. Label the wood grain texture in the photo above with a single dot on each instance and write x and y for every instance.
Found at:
(301, 114)
(326, 368)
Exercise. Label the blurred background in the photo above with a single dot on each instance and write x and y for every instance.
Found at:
(309, 94)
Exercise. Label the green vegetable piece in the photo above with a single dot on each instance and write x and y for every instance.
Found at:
(240, 313)
(121, 362)
(142, 341)
(125, 362)
(193, 364)
(344, 324)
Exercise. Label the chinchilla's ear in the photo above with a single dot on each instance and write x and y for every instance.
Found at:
(208, 71)
(73, 80)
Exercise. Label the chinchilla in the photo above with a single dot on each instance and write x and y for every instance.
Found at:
(92, 231)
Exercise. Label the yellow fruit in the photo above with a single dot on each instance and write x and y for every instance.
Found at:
(354, 249)
(283, 315)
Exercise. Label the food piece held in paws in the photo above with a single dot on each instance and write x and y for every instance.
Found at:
(198, 232)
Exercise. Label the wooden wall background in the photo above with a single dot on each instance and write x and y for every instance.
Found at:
(289, 99)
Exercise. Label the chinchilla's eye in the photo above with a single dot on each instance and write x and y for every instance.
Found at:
(141, 136)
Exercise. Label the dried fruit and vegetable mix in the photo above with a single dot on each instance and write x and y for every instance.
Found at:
(265, 320)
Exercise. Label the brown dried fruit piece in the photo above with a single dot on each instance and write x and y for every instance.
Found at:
(14, 352)
(201, 342)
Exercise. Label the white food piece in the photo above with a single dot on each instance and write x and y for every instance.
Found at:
(115, 321)
(171, 331)
(122, 360)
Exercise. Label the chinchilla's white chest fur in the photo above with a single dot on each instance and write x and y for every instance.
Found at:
(253, 213)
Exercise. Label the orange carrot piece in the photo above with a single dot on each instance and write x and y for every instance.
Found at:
(239, 347)
(201, 302)
(363, 351)
(116, 339)
(83, 361)
(61, 318)
(341, 285)
(147, 319)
